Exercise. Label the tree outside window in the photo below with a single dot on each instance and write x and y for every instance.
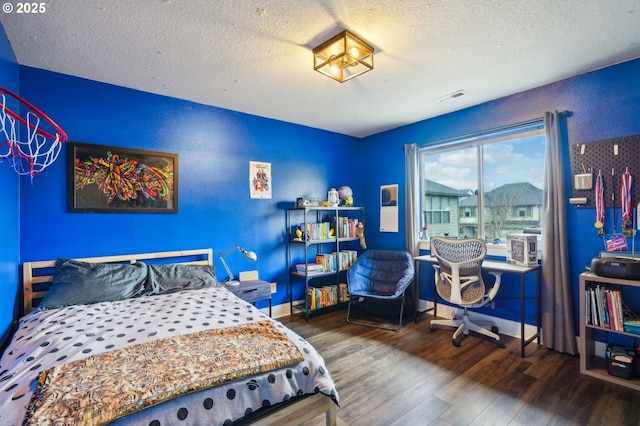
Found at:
(487, 186)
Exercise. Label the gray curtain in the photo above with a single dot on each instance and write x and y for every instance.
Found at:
(412, 195)
(558, 330)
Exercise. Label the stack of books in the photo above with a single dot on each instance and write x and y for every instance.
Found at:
(309, 268)
(632, 326)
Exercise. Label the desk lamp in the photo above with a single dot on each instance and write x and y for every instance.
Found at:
(250, 255)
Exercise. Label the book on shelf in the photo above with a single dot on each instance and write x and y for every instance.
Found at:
(337, 261)
(346, 227)
(317, 230)
(346, 259)
(632, 326)
(327, 260)
(604, 308)
(322, 297)
(309, 268)
(343, 292)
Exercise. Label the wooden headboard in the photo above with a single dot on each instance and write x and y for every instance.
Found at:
(37, 276)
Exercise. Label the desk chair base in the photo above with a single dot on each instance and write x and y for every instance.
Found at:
(350, 321)
(464, 325)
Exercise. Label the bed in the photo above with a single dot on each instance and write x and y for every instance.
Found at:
(153, 339)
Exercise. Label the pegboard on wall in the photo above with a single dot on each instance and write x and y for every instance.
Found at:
(617, 155)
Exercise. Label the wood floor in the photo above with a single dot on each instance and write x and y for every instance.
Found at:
(417, 377)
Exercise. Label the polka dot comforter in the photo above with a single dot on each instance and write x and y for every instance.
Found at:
(52, 337)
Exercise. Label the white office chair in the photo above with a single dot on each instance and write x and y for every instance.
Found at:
(459, 281)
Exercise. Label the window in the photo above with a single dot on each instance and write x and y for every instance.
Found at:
(436, 209)
(523, 211)
(487, 184)
(469, 211)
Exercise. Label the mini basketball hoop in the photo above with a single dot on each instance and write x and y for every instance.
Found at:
(40, 148)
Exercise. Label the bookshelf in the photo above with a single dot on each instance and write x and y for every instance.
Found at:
(591, 363)
(318, 258)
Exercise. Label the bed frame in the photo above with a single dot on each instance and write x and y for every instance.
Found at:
(37, 277)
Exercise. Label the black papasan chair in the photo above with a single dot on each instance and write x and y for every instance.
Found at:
(383, 275)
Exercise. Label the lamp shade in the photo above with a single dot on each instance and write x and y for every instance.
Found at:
(343, 57)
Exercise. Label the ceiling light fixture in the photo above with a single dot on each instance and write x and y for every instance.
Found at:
(343, 57)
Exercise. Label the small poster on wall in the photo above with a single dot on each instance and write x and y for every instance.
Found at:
(389, 208)
(260, 179)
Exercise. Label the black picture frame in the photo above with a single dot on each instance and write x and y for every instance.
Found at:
(115, 179)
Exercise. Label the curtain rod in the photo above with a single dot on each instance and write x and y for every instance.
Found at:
(483, 133)
(493, 132)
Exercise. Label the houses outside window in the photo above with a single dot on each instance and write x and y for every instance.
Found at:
(437, 210)
(485, 185)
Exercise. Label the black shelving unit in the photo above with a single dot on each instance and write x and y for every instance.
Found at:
(303, 249)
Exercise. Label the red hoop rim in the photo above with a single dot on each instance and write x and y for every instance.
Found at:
(61, 136)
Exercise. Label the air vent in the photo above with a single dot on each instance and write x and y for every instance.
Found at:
(451, 96)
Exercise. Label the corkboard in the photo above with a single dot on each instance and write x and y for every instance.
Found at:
(601, 157)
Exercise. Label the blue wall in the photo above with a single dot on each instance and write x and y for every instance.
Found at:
(9, 207)
(603, 104)
(214, 147)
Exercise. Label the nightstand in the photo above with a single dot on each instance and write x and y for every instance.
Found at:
(252, 291)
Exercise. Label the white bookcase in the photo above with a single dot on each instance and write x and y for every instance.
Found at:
(593, 363)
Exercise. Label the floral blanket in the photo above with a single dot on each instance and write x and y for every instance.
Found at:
(106, 386)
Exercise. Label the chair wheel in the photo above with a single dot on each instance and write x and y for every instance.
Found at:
(500, 344)
(494, 329)
(432, 327)
(456, 343)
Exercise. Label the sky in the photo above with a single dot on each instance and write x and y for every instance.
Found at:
(513, 161)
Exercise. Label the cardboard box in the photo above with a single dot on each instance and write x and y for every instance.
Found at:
(522, 249)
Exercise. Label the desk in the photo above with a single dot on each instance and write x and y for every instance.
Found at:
(505, 268)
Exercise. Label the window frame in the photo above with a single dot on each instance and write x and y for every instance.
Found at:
(478, 140)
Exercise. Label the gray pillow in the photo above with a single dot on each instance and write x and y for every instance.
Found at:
(83, 283)
(173, 277)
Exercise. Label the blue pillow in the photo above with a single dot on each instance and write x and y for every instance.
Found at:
(82, 283)
(173, 277)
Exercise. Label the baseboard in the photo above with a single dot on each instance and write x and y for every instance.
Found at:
(282, 310)
(506, 327)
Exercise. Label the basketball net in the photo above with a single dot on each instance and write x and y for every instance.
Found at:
(33, 154)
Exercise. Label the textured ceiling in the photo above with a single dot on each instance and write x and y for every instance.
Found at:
(255, 56)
